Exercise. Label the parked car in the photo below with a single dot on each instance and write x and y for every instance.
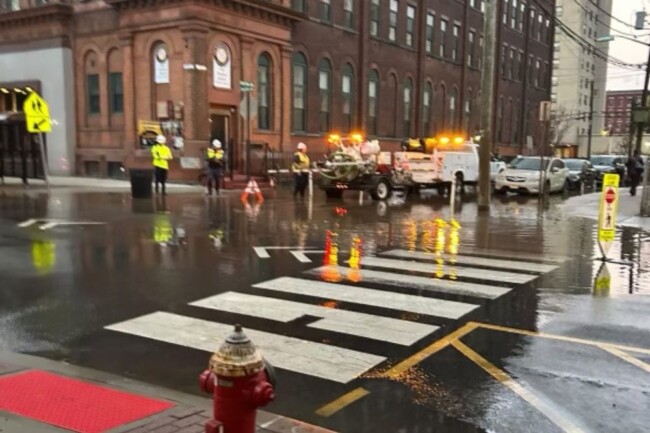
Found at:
(609, 164)
(581, 172)
(522, 175)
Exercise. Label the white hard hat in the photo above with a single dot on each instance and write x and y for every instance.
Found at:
(302, 146)
(161, 139)
(216, 143)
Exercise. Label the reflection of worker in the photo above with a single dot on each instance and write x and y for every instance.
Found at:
(161, 156)
(214, 156)
(299, 167)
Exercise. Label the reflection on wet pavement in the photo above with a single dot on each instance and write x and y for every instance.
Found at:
(62, 286)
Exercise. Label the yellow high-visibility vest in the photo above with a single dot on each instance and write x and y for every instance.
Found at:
(300, 162)
(161, 155)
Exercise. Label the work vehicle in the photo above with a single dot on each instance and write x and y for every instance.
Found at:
(523, 175)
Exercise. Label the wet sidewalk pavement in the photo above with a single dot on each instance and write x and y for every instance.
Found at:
(124, 406)
(629, 208)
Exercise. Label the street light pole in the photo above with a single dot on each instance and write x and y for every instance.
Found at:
(591, 119)
(644, 106)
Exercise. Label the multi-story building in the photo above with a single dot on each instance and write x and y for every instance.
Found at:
(578, 64)
(388, 68)
(619, 110)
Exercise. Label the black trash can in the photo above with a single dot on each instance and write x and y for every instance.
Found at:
(141, 180)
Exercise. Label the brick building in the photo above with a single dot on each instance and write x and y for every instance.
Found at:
(389, 68)
(618, 110)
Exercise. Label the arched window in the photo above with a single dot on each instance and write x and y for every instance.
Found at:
(325, 87)
(408, 106)
(511, 125)
(440, 121)
(347, 91)
(115, 88)
(426, 110)
(500, 121)
(93, 101)
(394, 102)
(264, 92)
(453, 112)
(373, 96)
(515, 125)
(468, 112)
(299, 117)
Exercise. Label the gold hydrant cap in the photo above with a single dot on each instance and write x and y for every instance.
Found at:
(237, 356)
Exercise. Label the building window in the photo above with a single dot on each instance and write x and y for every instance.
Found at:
(481, 44)
(115, 92)
(522, 16)
(540, 21)
(504, 55)
(426, 110)
(531, 71)
(428, 43)
(92, 90)
(373, 95)
(299, 115)
(468, 112)
(511, 70)
(408, 106)
(453, 113)
(513, 14)
(11, 5)
(500, 121)
(374, 17)
(325, 11)
(324, 85)
(348, 13)
(299, 5)
(264, 92)
(347, 90)
(455, 47)
(538, 70)
(470, 48)
(443, 38)
(515, 125)
(392, 20)
(410, 24)
(520, 66)
(505, 12)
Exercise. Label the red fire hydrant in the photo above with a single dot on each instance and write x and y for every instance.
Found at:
(241, 381)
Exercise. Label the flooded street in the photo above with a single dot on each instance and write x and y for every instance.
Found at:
(394, 316)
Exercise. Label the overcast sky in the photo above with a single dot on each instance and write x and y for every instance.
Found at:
(630, 52)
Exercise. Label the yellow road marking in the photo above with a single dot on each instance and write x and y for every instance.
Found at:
(550, 412)
(423, 354)
(626, 357)
(561, 338)
(341, 402)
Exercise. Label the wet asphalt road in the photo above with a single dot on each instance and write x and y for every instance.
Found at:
(61, 287)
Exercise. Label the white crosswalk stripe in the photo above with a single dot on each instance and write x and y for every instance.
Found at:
(314, 359)
(347, 322)
(328, 361)
(476, 261)
(459, 271)
(425, 283)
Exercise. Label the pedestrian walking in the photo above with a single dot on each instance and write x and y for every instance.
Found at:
(215, 158)
(635, 169)
(161, 155)
(299, 167)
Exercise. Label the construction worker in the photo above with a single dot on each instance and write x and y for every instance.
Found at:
(214, 156)
(299, 167)
(161, 155)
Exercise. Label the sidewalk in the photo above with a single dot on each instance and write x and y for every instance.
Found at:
(629, 208)
(43, 396)
(91, 184)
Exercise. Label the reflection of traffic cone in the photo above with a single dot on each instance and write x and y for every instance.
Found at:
(354, 274)
(252, 188)
(330, 271)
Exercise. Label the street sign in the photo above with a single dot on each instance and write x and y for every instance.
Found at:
(37, 114)
(607, 216)
(545, 111)
(529, 142)
(243, 110)
(246, 86)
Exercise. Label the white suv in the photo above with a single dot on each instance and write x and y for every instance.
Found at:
(522, 175)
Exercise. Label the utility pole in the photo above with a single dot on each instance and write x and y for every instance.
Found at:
(644, 107)
(488, 77)
(591, 119)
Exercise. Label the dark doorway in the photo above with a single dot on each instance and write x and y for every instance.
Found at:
(20, 154)
(220, 129)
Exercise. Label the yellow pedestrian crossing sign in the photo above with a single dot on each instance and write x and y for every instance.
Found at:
(37, 114)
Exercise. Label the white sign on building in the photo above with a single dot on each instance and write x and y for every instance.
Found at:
(222, 67)
(161, 66)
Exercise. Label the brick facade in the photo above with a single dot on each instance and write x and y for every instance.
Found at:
(618, 110)
(119, 37)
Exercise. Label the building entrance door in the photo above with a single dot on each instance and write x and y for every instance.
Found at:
(20, 154)
(222, 130)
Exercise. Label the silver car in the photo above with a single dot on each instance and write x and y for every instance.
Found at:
(523, 175)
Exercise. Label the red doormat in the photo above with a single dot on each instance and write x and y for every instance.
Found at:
(73, 404)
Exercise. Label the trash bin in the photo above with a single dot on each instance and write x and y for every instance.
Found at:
(141, 181)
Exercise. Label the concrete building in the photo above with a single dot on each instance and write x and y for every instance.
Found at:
(388, 68)
(578, 63)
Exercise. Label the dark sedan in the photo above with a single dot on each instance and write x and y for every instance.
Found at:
(609, 164)
(581, 172)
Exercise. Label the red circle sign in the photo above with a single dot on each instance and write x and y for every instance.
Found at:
(610, 196)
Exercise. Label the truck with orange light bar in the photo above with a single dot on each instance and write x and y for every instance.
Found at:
(358, 165)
